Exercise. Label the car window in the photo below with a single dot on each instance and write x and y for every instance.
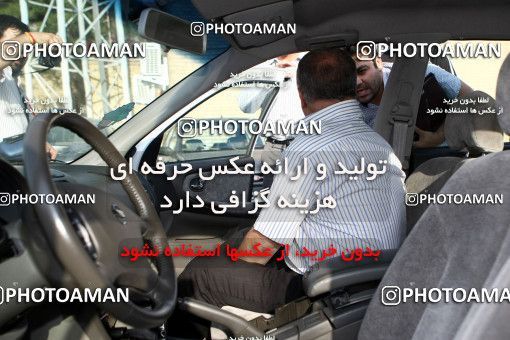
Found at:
(479, 72)
(219, 126)
(105, 88)
(482, 73)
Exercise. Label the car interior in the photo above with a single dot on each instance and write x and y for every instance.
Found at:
(446, 246)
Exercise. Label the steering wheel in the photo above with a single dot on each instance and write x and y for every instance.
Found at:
(87, 239)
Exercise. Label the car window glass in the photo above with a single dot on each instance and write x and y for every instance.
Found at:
(218, 127)
(482, 73)
(106, 88)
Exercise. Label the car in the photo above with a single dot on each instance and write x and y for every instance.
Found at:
(194, 145)
(177, 145)
(121, 186)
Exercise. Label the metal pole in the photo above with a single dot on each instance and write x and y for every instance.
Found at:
(84, 62)
(103, 80)
(119, 26)
(23, 8)
(66, 78)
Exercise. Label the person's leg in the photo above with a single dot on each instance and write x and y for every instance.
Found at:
(221, 282)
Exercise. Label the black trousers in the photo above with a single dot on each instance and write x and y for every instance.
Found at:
(222, 282)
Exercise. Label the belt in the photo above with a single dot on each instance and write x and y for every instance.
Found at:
(281, 142)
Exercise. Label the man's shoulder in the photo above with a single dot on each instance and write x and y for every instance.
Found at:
(439, 72)
(352, 136)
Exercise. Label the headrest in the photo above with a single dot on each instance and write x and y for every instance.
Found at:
(503, 95)
(472, 123)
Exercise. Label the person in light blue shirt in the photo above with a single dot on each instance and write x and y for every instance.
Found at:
(372, 78)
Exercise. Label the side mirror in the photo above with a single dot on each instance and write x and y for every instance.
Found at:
(171, 31)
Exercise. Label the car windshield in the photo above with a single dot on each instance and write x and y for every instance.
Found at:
(106, 89)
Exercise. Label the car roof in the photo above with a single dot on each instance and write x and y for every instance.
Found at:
(385, 20)
(375, 20)
(308, 11)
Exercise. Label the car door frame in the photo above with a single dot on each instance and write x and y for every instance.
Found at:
(200, 227)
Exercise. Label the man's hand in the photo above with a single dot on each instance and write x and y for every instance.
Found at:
(51, 151)
(429, 139)
(253, 237)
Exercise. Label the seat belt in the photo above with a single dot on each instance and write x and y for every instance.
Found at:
(396, 118)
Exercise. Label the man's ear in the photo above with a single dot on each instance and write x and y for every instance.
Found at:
(303, 102)
(378, 63)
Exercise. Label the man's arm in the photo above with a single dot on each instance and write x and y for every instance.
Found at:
(253, 237)
(453, 87)
(428, 139)
(39, 37)
(277, 226)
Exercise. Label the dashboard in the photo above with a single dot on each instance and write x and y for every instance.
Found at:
(22, 245)
(12, 181)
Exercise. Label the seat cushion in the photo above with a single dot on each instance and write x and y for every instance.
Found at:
(488, 320)
(333, 274)
(429, 178)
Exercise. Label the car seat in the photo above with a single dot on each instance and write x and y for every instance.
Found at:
(478, 134)
(452, 246)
